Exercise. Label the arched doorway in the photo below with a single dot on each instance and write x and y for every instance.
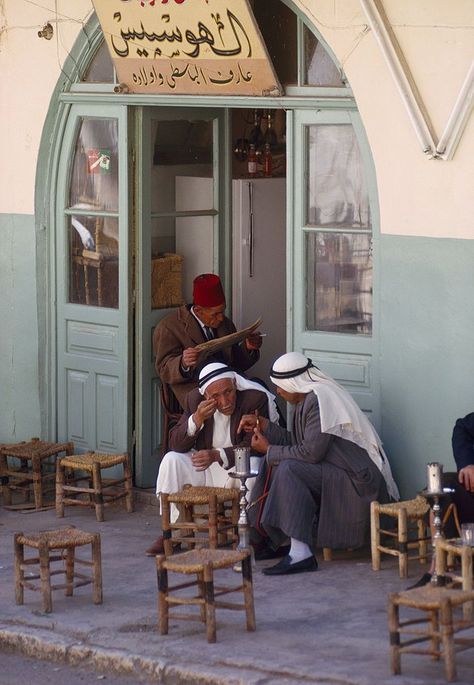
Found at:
(106, 395)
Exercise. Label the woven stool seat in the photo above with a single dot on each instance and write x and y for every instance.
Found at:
(34, 476)
(203, 563)
(194, 560)
(418, 506)
(86, 461)
(55, 539)
(99, 493)
(217, 523)
(200, 495)
(438, 627)
(413, 512)
(64, 542)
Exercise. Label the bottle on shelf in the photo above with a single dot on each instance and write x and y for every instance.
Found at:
(270, 136)
(267, 160)
(256, 134)
(252, 161)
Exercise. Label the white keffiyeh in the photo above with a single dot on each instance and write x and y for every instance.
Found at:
(340, 415)
(217, 372)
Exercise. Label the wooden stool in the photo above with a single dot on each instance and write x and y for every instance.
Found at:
(35, 451)
(412, 510)
(214, 522)
(65, 541)
(446, 551)
(203, 563)
(438, 603)
(93, 463)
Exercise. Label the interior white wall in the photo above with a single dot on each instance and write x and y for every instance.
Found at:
(418, 196)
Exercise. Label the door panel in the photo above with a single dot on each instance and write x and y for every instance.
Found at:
(335, 208)
(178, 213)
(92, 281)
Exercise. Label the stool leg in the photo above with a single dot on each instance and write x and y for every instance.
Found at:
(422, 547)
(446, 616)
(37, 487)
(165, 524)
(19, 572)
(202, 595)
(7, 493)
(394, 631)
(60, 480)
(466, 571)
(212, 521)
(45, 577)
(221, 535)
(98, 494)
(248, 592)
(96, 569)
(375, 535)
(162, 575)
(127, 472)
(434, 633)
(210, 605)
(403, 542)
(70, 555)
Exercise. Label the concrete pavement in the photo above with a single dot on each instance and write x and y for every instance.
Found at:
(327, 627)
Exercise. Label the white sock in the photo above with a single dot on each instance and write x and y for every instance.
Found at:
(299, 551)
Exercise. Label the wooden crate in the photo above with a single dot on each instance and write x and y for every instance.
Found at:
(166, 281)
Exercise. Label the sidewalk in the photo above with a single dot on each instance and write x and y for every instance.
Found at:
(327, 627)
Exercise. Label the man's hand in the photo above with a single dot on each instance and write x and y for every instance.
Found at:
(253, 341)
(466, 477)
(249, 421)
(202, 459)
(259, 442)
(205, 410)
(189, 358)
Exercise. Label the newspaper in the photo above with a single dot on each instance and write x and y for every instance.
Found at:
(208, 348)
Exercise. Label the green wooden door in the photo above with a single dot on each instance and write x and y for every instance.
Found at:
(335, 215)
(180, 227)
(92, 272)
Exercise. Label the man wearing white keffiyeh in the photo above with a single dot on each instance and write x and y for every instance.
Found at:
(328, 471)
(202, 442)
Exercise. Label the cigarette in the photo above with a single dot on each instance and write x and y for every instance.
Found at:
(262, 335)
(258, 419)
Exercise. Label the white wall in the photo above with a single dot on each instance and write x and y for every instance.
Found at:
(29, 68)
(418, 196)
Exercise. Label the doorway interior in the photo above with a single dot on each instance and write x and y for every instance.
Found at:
(200, 207)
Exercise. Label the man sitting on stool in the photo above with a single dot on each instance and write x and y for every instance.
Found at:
(203, 439)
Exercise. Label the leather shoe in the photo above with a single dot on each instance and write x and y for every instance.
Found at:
(285, 567)
(424, 580)
(159, 548)
(268, 553)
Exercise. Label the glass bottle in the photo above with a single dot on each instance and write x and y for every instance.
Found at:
(252, 161)
(270, 136)
(256, 134)
(267, 160)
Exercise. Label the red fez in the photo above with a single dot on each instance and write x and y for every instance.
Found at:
(207, 291)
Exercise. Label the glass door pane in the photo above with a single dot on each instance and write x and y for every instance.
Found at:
(93, 244)
(339, 282)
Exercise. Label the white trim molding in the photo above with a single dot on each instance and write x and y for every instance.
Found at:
(445, 147)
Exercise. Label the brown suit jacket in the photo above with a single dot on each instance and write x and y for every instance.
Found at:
(180, 330)
(247, 402)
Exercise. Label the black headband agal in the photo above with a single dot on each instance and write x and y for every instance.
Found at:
(212, 374)
(293, 373)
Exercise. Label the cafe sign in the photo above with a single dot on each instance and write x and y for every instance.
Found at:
(206, 47)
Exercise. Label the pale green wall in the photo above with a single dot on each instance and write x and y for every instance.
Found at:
(427, 350)
(19, 398)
